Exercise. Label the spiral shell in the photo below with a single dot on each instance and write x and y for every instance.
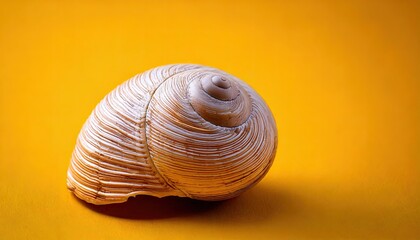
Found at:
(177, 130)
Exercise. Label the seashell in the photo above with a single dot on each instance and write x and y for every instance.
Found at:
(177, 130)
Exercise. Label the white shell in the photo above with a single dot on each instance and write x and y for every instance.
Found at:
(178, 130)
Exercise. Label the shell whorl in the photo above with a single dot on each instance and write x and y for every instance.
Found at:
(219, 99)
(178, 130)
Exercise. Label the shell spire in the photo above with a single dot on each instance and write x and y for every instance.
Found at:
(178, 130)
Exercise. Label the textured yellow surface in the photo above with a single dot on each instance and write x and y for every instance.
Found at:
(342, 79)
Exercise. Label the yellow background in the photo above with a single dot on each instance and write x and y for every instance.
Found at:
(342, 80)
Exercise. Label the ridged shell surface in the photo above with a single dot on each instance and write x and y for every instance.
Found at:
(177, 130)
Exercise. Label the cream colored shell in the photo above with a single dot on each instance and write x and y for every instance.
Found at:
(177, 130)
